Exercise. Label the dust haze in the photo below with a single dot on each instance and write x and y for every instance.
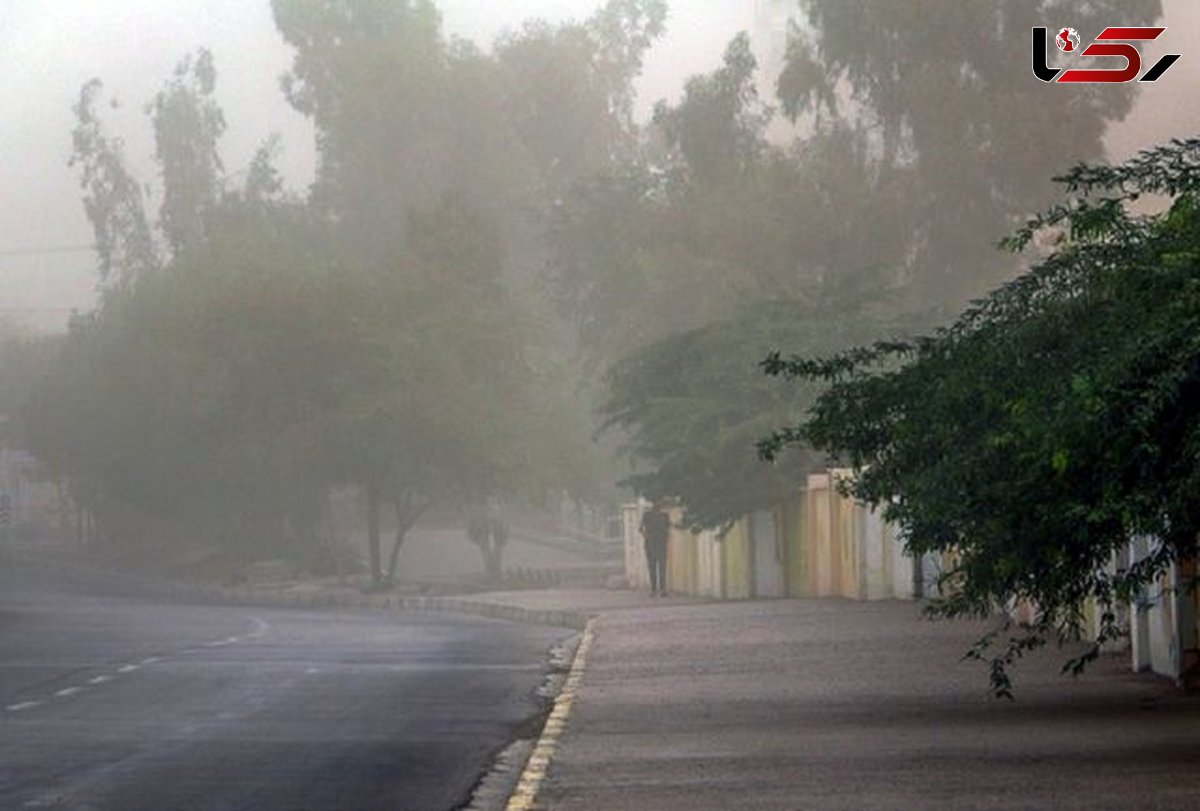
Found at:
(400, 293)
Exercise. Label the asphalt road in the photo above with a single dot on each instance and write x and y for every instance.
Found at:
(112, 702)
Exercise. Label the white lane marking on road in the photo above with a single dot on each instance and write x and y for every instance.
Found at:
(68, 691)
(311, 671)
(127, 668)
(149, 660)
(24, 705)
(99, 679)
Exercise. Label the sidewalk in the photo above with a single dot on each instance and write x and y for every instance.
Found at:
(828, 704)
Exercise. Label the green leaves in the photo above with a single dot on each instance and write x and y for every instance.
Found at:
(112, 196)
(980, 143)
(1053, 420)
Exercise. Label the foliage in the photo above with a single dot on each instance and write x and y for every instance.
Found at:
(370, 334)
(1053, 421)
(407, 121)
(187, 124)
(945, 90)
(691, 407)
(24, 359)
(711, 216)
(911, 148)
(112, 196)
(682, 269)
(719, 127)
(405, 117)
(443, 405)
(570, 88)
(651, 247)
(191, 397)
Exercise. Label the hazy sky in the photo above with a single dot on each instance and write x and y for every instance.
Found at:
(49, 48)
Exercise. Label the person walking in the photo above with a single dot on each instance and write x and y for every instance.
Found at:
(656, 530)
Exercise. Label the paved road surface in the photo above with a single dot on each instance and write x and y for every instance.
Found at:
(115, 703)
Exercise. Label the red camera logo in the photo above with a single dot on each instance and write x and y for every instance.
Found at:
(1113, 41)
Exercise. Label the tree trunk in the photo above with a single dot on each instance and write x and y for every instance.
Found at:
(491, 561)
(494, 554)
(373, 536)
(64, 511)
(408, 506)
(395, 556)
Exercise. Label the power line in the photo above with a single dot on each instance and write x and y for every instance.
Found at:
(45, 250)
(39, 309)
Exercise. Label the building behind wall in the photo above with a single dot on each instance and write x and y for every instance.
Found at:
(819, 543)
(816, 543)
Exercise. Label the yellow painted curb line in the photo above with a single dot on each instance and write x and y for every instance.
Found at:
(525, 794)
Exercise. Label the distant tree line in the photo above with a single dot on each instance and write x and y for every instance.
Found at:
(253, 349)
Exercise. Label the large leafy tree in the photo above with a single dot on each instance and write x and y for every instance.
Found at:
(651, 247)
(187, 125)
(405, 120)
(367, 335)
(194, 397)
(946, 92)
(404, 116)
(692, 406)
(683, 266)
(920, 139)
(1053, 421)
(443, 404)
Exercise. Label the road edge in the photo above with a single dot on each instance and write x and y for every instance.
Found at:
(524, 797)
(268, 598)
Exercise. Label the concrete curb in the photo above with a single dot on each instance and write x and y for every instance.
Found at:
(573, 620)
(529, 786)
(252, 596)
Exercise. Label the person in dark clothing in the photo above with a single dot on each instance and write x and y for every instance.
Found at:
(656, 530)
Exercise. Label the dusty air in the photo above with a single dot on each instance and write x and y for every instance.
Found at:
(599, 404)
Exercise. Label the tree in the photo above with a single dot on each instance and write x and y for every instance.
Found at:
(195, 398)
(443, 405)
(690, 409)
(427, 380)
(1052, 422)
(112, 197)
(682, 269)
(187, 125)
(719, 127)
(24, 358)
(945, 91)
(711, 217)
(878, 211)
(571, 88)
(487, 528)
(404, 116)
(407, 120)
